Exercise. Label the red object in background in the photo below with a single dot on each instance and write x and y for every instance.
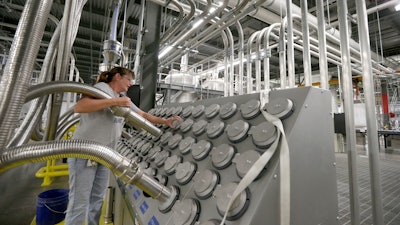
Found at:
(385, 103)
(392, 115)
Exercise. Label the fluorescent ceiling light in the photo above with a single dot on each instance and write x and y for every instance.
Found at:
(397, 7)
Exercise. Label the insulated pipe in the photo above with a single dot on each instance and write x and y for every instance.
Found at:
(231, 60)
(282, 56)
(125, 169)
(37, 106)
(249, 66)
(70, 24)
(323, 66)
(139, 39)
(181, 20)
(64, 127)
(114, 21)
(19, 66)
(290, 41)
(239, 83)
(215, 28)
(265, 33)
(226, 81)
(70, 77)
(133, 118)
(183, 35)
(231, 19)
(306, 43)
(349, 114)
(368, 84)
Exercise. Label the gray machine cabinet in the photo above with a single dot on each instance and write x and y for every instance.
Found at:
(222, 154)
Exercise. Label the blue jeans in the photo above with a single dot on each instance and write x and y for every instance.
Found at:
(87, 187)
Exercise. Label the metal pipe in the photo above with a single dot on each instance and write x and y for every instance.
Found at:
(282, 56)
(306, 43)
(133, 118)
(226, 81)
(249, 66)
(204, 18)
(231, 55)
(267, 49)
(181, 20)
(240, 55)
(349, 114)
(70, 24)
(368, 85)
(19, 65)
(37, 106)
(65, 126)
(323, 66)
(124, 168)
(114, 20)
(139, 39)
(109, 202)
(290, 41)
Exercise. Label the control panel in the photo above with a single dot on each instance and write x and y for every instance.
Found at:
(208, 153)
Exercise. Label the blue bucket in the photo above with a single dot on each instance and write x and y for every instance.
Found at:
(51, 206)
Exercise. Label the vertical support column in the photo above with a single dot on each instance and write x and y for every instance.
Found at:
(151, 39)
(385, 104)
(349, 113)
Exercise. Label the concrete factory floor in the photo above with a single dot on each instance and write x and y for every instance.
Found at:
(19, 188)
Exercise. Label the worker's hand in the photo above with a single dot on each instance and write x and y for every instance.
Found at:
(170, 121)
(122, 101)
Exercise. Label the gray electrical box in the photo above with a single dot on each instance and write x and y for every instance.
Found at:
(208, 153)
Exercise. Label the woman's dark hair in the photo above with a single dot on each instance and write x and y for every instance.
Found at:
(107, 76)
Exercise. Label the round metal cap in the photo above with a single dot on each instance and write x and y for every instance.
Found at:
(198, 111)
(171, 163)
(166, 206)
(215, 128)
(187, 111)
(212, 110)
(201, 149)
(163, 112)
(177, 111)
(186, 212)
(280, 107)
(222, 155)
(153, 152)
(204, 183)
(223, 194)
(165, 137)
(263, 134)
(161, 157)
(174, 141)
(227, 110)
(250, 109)
(186, 125)
(169, 112)
(186, 144)
(244, 161)
(237, 131)
(184, 172)
(139, 145)
(145, 148)
(199, 127)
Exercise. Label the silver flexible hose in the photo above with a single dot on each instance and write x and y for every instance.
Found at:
(125, 169)
(133, 118)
